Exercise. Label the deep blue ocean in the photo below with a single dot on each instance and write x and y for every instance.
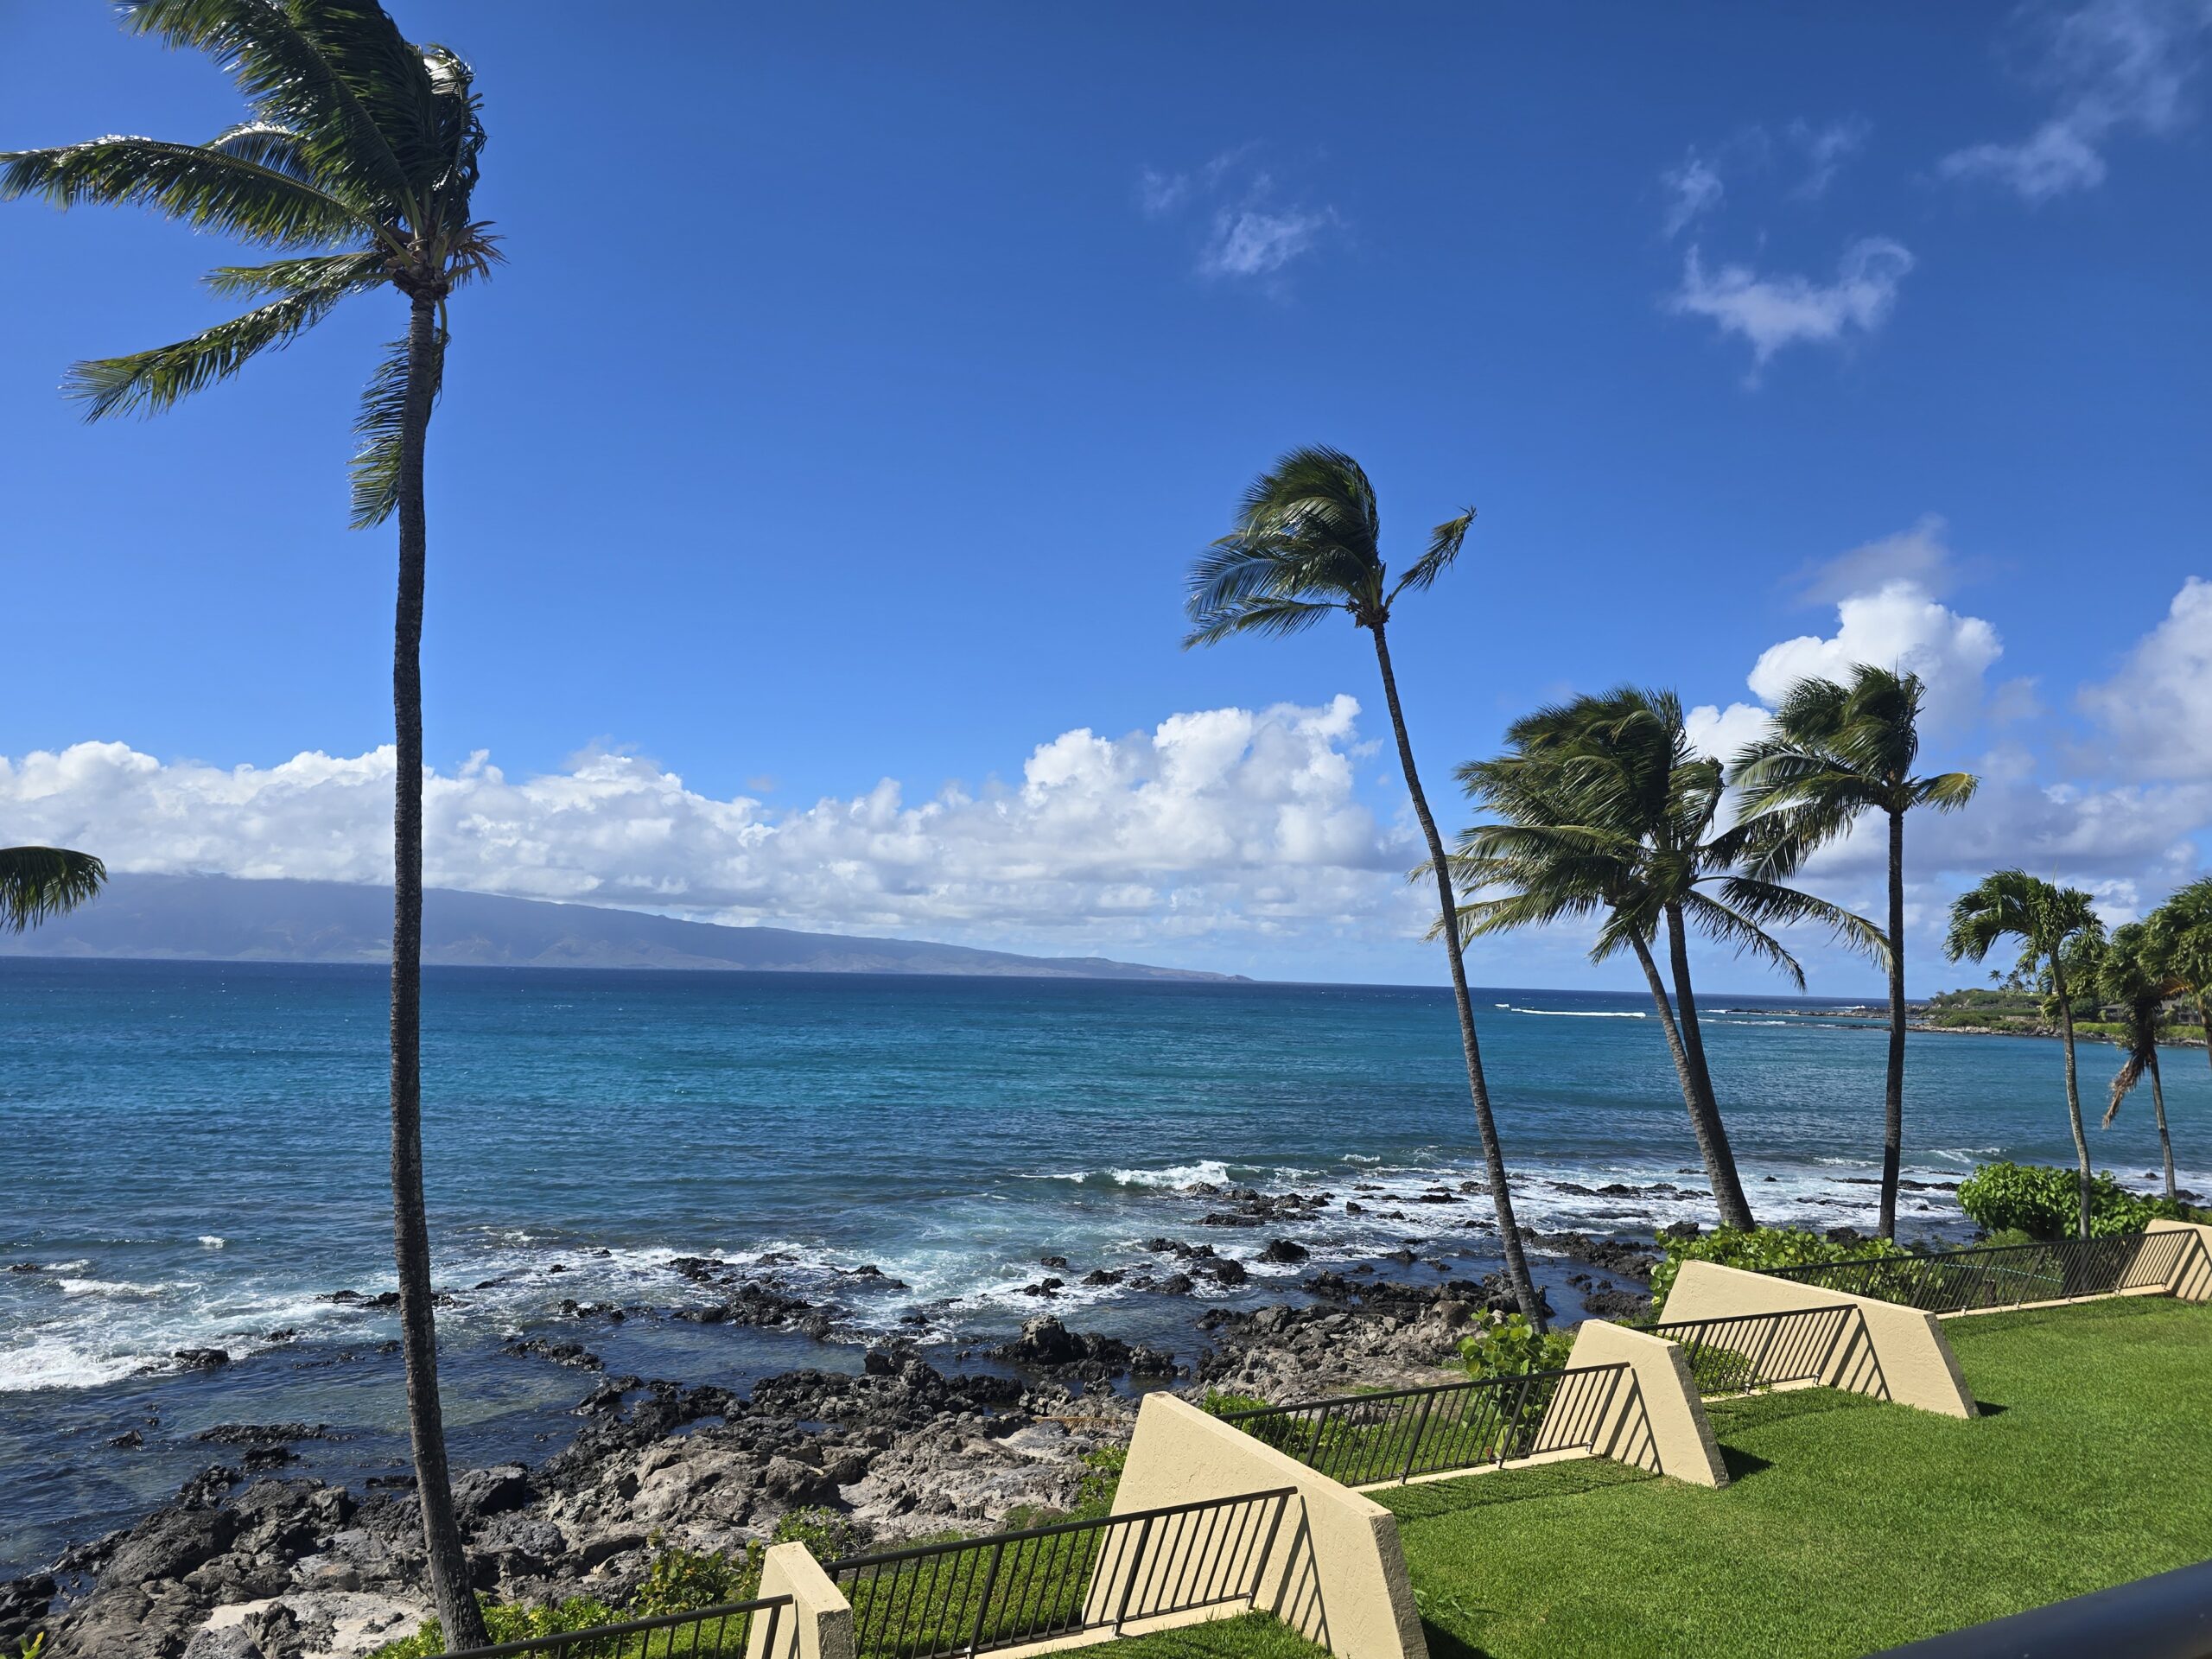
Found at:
(195, 1158)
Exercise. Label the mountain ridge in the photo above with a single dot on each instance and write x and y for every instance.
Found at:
(231, 919)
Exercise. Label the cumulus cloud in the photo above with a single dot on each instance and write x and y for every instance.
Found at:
(2113, 67)
(1769, 312)
(1899, 624)
(2129, 844)
(1223, 823)
(2157, 711)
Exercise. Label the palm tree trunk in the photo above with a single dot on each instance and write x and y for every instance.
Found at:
(458, 1616)
(1893, 1080)
(1501, 1198)
(2073, 1087)
(1705, 1110)
(1659, 1001)
(2158, 1108)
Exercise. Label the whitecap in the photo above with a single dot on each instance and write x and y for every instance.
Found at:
(213, 1241)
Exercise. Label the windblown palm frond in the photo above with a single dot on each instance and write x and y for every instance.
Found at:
(359, 160)
(1835, 753)
(39, 882)
(1307, 541)
(2012, 904)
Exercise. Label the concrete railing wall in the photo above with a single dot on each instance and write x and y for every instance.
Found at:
(818, 1624)
(1336, 1573)
(1900, 1353)
(1657, 1421)
(2191, 1276)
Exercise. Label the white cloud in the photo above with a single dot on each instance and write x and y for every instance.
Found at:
(1225, 824)
(1826, 149)
(1251, 234)
(2157, 711)
(1770, 312)
(1899, 624)
(2114, 67)
(1921, 555)
(1693, 188)
(1253, 241)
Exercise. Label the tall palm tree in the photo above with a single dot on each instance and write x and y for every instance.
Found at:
(1607, 808)
(1838, 752)
(2132, 973)
(2184, 927)
(2049, 921)
(39, 882)
(357, 168)
(1306, 545)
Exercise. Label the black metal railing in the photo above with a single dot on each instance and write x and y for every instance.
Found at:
(1744, 1353)
(1364, 1440)
(1013, 1588)
(1981, 1278)
(725, 1632)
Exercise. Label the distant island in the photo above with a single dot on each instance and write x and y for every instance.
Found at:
(224, 918)
(2028, 1013)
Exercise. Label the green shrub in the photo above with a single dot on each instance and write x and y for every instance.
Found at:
(1102, 1473)
(2045, 1203)
(1508, 1345)
(507, 1624)
(1217, 1402)
(1755, 1250)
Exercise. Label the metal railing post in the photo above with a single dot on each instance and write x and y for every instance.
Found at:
(1412, 1442)
(1129, 1584)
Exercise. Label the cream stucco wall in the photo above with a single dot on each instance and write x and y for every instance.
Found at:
(818, 1624)
(1336, 1572)
(2191, 1278)
(1902, 1356)
(1659, 1422)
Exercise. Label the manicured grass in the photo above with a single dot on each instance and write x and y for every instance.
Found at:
(1255, 1635)
(1850, 1525)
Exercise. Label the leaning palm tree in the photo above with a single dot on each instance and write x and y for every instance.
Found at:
(1307, 545)
(2132, 973)
(2183, 928)
(1606, 809)
(356, 169)
(1836, 752)
(2050, 922)
(37, 883)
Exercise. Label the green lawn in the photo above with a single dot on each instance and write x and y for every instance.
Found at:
(1849, 1525)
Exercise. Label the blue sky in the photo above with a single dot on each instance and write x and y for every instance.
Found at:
(860, 384)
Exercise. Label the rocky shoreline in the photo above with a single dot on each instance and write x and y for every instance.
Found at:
(248, 1562)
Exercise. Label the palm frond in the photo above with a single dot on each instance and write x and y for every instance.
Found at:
(1717, 921)
(1772, 904)
(381, 425)
(153, 380)
(203, 188)
(1946, 791)
(38, 882)
(349, 273)
(339, 74)
(1444, 543)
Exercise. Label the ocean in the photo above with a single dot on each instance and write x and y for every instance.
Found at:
(196, 1159)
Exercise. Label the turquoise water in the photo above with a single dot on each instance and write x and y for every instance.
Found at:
(196, 1155)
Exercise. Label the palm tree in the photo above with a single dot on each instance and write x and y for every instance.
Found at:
(39, 882)
(2132, 973)
(356, 169)
(1307, 545)
(1837, 752)
(2184, 927)
(1607, 809)
(2047, 920)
